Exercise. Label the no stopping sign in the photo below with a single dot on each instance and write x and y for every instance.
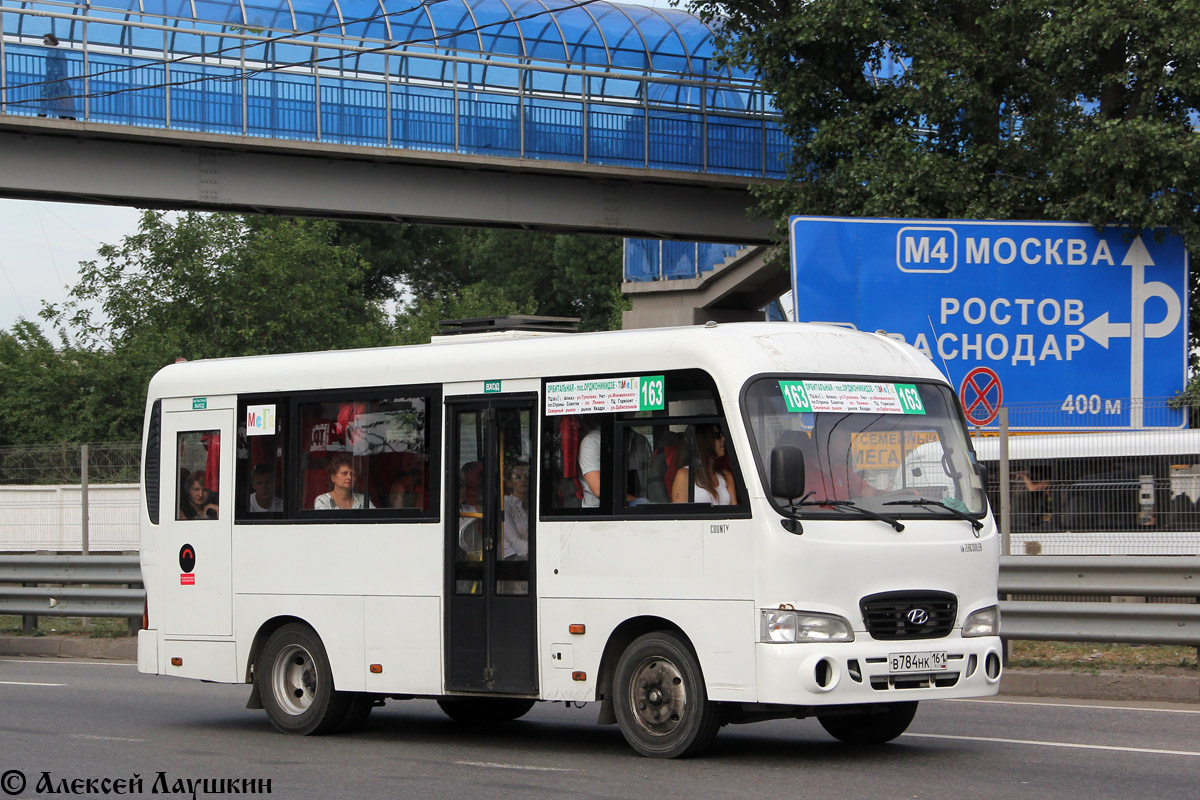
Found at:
(981, 395)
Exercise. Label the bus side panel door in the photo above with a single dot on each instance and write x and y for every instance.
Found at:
(490, 547)
(198, 449)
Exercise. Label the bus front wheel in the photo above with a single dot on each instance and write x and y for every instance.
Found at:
(296, 683)
(874, 727)
(659, 698)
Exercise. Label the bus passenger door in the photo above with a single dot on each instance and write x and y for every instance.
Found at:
(490, 546)
(197, 519)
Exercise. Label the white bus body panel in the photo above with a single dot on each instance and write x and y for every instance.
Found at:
(373, 592)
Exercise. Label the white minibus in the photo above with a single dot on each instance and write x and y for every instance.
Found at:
(690, 526)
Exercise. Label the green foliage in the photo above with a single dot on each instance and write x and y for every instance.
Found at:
(54, 393)
(1022, 109)
(199, 286)
(214, 285)
(542, 273)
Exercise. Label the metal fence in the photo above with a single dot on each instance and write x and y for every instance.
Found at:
(69, 497)
(64, 586)
(50, 464)
(1078, 480)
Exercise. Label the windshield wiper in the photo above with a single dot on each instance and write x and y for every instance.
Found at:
(850, 504)
(976, 524)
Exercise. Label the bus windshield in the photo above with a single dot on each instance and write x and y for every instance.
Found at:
(893, 448)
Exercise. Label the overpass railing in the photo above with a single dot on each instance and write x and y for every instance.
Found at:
(236, 81)
(658, 260)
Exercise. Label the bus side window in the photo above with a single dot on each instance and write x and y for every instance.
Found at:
(574, 462)
(361, 454)
(199, 475)
(260, 462)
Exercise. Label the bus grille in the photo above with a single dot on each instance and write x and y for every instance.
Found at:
(897, 615)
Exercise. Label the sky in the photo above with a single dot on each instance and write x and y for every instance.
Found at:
(42, 243)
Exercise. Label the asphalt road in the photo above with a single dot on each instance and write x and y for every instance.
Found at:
(81, 720)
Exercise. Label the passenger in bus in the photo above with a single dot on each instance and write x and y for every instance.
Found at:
(196, 501)
(589, 467)
(341, 475)
(714, 484)
(516, 511)
(405, 490)
(262, 481)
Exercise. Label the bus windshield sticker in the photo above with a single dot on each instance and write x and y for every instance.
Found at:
(260, 420)
(852, 397)
(603, 395)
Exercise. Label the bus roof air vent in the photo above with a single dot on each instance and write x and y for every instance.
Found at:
(510, 324)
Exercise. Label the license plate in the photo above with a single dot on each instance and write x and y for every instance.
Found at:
(917, 662)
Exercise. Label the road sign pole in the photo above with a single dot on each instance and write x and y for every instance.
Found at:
(1137, 345)
(1005, 487)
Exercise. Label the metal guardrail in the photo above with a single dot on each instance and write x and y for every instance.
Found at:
(1135, 623)
(1132, 623)
(31, 600)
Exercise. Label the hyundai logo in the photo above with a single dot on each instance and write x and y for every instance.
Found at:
(917, 616)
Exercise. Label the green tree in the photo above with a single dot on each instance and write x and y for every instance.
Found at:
(205, 286)
(52, 393)
(1022, 109)
(543, 273)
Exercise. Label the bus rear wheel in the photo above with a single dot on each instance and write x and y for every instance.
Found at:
(659, 698)
(880, 725)
(484, 710)
(296, 683)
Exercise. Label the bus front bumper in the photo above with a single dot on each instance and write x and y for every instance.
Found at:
(871, 671)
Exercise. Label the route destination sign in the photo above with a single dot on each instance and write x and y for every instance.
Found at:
(1088, 323)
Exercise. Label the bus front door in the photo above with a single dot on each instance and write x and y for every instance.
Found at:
(490, 546)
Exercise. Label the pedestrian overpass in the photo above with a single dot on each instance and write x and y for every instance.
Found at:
(546, 114)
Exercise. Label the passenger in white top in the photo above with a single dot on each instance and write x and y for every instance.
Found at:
(262, 481)
(342, 496)
(589, 468)
(713, 485)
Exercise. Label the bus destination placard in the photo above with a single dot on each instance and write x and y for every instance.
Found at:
(602, 395)
(852, 397)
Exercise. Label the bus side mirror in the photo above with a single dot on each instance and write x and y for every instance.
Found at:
(982, 470)
(787, 471)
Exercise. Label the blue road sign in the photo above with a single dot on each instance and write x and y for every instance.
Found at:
(1089, 321)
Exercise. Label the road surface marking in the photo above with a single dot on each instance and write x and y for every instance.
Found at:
(29, 683)
(103, 738)
(1079, 705)
(513, 766)
(1074, 745)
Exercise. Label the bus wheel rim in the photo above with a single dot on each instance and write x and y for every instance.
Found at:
(657, 696)
(294, 679)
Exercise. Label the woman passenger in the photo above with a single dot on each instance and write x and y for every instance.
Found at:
(713, 484)
(196, 501)
(342, 496)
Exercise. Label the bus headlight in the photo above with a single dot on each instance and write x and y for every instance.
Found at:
(984, 622)
(780, 625)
